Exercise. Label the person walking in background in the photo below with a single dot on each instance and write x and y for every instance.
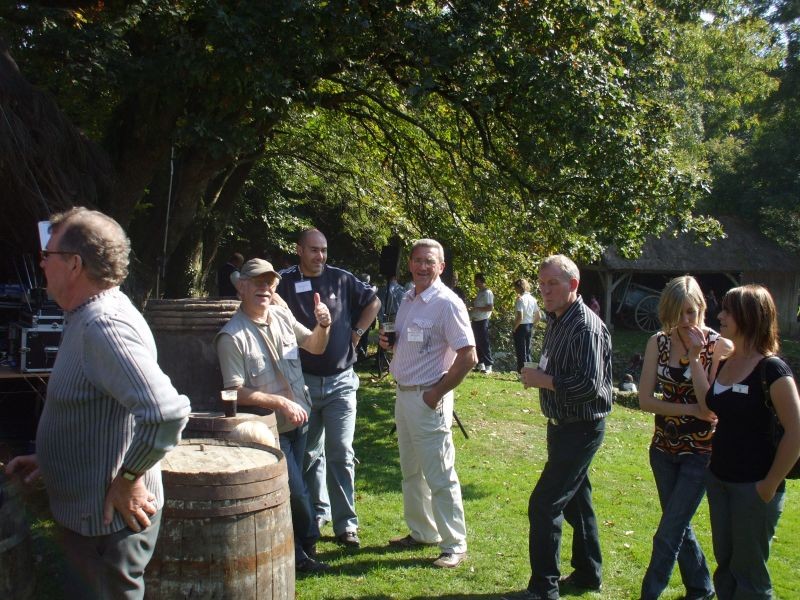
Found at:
(526, 316)
(258, 351)
(745, 480)
(332, 383)
(227, 275)
(111, 414)
(681, 358)
(480, 313)
(434, 350)
(575, 390)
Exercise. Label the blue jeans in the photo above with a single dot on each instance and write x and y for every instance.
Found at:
(304, 523)
(564, 492)
(680, 480)
(329, 463)
(742, 526)
(522, 344)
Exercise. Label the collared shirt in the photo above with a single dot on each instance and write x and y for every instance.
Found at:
(265, 357)
(345, 296)
(577, 347)
(430, 328)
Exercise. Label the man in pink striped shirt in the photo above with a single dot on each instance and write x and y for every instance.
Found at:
(434, 349)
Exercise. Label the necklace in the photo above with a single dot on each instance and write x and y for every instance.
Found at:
(683, 360)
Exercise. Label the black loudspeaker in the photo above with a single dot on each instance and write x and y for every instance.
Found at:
(390, 255)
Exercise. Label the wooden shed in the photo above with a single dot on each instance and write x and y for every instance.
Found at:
(743, 256)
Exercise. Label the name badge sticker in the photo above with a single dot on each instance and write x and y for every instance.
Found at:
(415, 334)
(301, 286)
(688, 373)
(543, 362)
(290, 353)
(740, 388)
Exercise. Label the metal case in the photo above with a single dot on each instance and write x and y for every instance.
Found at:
(34, 348)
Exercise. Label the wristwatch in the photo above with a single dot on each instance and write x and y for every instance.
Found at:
(359, 332)
(130, 476)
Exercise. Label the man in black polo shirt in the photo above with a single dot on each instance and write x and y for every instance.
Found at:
(574, 381)
(331, 381)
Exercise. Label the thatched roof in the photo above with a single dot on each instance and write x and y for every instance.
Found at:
(744, 249)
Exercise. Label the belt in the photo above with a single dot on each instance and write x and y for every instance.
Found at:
(566, 420)
(413, 388)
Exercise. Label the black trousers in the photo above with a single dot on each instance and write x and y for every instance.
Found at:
(481, 331)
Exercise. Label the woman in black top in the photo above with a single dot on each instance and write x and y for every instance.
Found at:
(745, 484)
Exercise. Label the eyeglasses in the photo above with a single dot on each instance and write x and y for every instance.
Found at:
(45, 254)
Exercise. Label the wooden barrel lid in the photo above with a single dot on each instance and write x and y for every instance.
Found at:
(215, 462)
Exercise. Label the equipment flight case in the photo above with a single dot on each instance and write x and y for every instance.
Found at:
(34, 348)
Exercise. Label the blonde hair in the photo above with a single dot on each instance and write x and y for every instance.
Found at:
(253, 431)
(675, 293)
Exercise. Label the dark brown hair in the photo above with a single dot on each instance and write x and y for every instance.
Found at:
(753, 310)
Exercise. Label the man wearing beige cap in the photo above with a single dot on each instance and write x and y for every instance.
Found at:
(259, 356)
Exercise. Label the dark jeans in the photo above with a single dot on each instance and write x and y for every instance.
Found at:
(304, 522)
(564, 492)
(680, 480)
(522, 344)
(481, 331)
(108, 566)
(742, 526)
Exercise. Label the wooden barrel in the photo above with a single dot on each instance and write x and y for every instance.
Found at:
(212, 424)
(184, 331)
(226, 529)
(16, 554)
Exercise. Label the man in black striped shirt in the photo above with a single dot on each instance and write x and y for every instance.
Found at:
(574, 381)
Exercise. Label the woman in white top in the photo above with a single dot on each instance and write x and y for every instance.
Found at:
(526, 315)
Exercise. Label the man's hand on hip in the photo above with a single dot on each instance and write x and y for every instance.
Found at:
(132, 500)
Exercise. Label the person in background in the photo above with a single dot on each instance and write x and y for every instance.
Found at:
(480, 312)
(526, 316)
(575, 391)
(227, 275)
(434, 350)
(628, 384)
(258, 351)
(745, 479)
(594, 304)
(111, 414)
(681, 358)
(332, 383)
(363, 343)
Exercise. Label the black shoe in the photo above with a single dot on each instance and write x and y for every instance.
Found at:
(310, 550)
(407, 542)
(569, 581)
(309, 565)
(349, 538)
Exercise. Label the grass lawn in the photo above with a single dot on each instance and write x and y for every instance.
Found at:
(498, 466)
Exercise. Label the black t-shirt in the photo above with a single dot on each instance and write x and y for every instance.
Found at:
(741, 449)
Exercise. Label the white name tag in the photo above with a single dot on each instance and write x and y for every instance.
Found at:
(740, 388)
(543, 362)
(415, 335)
(688, 373)
(290, 353)
(301, 286)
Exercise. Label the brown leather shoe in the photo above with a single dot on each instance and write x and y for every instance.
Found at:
(407, 542)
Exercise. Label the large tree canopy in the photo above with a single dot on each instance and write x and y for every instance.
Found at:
(506, 129)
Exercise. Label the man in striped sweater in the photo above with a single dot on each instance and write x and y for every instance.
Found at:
(574, 381)
(111, 414)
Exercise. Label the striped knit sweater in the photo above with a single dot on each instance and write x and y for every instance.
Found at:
(109, 407)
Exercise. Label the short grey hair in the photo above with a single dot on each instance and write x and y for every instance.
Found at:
(98, 239)
(428, 243)
(568, 268)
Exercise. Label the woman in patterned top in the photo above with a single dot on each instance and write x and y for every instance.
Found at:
(683, 353)
(745, 480)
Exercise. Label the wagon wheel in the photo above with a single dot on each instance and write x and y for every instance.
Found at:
(646, 314)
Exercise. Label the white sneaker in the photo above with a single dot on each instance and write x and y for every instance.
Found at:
(487, 370)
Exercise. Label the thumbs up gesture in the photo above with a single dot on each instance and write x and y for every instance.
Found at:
(321, 312)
